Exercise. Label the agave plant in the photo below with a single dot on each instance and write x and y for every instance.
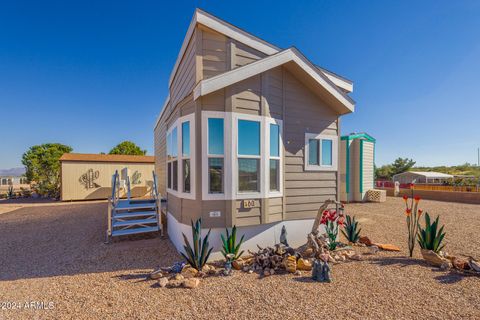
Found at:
(198, 255)
(430, 238)
(351, 230)
(229, 244)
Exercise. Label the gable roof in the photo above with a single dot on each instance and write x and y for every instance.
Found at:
(344, 103)
(244, 37)
(88, 157)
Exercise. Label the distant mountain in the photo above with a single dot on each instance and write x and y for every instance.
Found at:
(15, 172)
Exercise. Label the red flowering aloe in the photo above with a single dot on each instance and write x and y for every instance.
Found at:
(332, 219)
(413, 215)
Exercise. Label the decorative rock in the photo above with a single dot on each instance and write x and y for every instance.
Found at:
(433, 258)
(189, 272)
(212, 271)
(266, 272)
(200, 274)
(238, 264)
(356, 257)
(446, 265)
(162, 282)
(291, 264)
(475, 265)
(387, 247)
(178, 277)
(365, 240)
(461, 264)
(250, 271)
(304, 264)
(373, 249)
(174, 283)
(272, 272)
(298, 273)
(191, 283)
(206, 268)
(321, 271)
(331, 259)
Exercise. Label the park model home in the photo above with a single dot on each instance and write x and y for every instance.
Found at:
(249, 135)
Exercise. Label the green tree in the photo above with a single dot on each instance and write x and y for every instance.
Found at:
(43, 168)
(384, 172)
(401, 165)
(128, 148)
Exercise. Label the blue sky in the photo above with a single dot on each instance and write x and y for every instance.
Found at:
(93, 73)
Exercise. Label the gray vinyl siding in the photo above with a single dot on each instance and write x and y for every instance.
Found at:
(304, 190)
(274, 93)
(243, 54)
(184, 80)
(248, 216)
(246, 96)
(214, 49)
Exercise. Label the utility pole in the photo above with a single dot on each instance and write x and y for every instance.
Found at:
(478, 157)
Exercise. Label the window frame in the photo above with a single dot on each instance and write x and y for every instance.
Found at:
(249, 156)
(279, 123)
(206, 195)
(321, 166)
(178, 124)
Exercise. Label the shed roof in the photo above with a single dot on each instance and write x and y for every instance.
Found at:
(428, 174)
(89, 157)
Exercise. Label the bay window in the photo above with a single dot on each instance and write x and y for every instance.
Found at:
(321, 152)
(241, 156)
(181, 157)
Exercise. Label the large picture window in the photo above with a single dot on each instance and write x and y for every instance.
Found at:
(320, 152)
(248, 156)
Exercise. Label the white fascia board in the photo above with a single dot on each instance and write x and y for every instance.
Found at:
(233, 76)
(339, 81)
(161, 112)
(244, 37)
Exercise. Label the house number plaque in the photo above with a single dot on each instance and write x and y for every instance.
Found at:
(248, 203)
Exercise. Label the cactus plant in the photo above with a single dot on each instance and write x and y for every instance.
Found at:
(430, 238)
(229, 244)
(198, 255)
(350, 229)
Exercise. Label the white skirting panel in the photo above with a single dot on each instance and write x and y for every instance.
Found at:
(263, 235)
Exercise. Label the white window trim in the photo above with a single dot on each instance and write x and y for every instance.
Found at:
(321, 167)
(230, 170)
(179, 193)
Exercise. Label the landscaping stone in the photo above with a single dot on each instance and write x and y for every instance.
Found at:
(433, 258)
(291, 264)
(178, 277)
(304, 264)
(191, 283)
(162, 282)
(238, 264)
(387, 247)
(365, 240)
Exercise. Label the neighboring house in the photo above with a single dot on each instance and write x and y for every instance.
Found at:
(427, 177)
(89, 176)
(13, 177)
(249, 136)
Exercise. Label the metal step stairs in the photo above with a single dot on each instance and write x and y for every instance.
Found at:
(133, 216)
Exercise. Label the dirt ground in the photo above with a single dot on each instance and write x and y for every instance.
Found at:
(53, 255)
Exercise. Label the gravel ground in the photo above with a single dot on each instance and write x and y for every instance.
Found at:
(55, 253)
